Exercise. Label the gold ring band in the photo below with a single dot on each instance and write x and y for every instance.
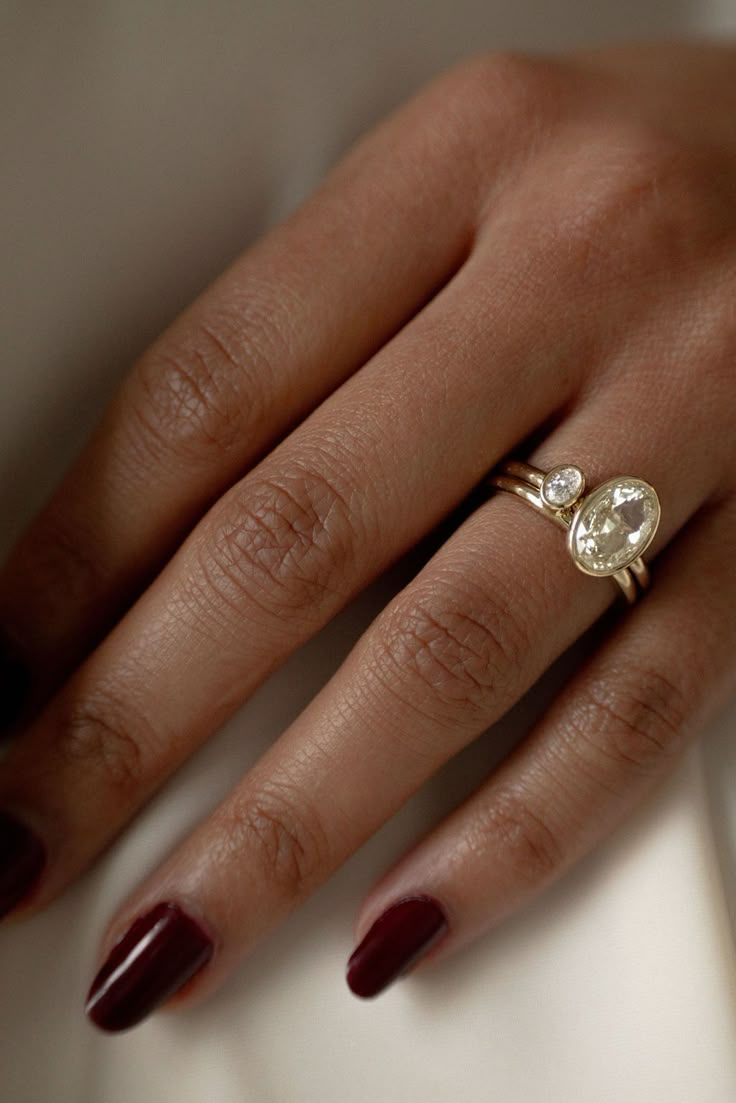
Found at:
(608, 529)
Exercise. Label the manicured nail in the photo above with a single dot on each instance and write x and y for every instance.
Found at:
(397, 939)
(158, 954)
(22, 857)
(15, 685)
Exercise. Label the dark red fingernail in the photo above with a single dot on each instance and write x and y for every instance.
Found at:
(159, 953)
(22, 857)
(397, 939)
(15, 685)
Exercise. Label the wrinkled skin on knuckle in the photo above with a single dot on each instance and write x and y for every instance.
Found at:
(55, 547)
(197, 392)
(287, 840)
(446, 650)
(286, 544)
(94, 739)
(524, 838)
(633, 721)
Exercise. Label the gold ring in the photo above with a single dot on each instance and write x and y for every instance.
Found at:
(608, 529)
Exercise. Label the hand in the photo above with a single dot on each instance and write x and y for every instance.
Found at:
(531, 243)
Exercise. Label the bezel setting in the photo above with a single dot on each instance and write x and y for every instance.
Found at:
(562, 486)
(594, 561)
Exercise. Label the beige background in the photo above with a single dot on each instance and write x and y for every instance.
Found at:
(143, 145)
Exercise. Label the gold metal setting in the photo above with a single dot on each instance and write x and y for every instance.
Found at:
(590, 519)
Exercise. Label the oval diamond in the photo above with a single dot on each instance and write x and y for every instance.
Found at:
(614, 525)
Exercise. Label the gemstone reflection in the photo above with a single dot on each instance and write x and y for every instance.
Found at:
(562, 486)
(614, 525)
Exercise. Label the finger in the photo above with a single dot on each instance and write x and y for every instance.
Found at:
(277, 556)
(292, 318)
(364, 477)
(617, 730)
(445, 659)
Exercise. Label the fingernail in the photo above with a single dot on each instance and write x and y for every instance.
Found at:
(15, 685)
(159, 953)
(22, 857)
(397, 939)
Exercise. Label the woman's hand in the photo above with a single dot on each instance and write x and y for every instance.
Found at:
(529, 243)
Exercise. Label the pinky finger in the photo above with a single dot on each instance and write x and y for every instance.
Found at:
(613, 734)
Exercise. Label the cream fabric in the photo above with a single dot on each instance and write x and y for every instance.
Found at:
(143, 144)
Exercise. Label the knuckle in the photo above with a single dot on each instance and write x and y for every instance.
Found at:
(93, 735)
(639, 198)
(194, 391)
(528, 842)
(290, 841)
(61, 549)
(286, 543)
(446, 648)
(507, 85)
(637, 718)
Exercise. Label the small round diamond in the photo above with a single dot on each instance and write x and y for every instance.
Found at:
(562, 486)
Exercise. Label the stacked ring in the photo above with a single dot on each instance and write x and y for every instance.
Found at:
(608, 529)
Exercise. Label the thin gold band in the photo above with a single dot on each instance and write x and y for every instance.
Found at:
(526, 482)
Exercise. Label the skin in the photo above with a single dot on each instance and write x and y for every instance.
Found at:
(531, 245)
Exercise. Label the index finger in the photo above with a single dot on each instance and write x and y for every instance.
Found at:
(298, 313)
